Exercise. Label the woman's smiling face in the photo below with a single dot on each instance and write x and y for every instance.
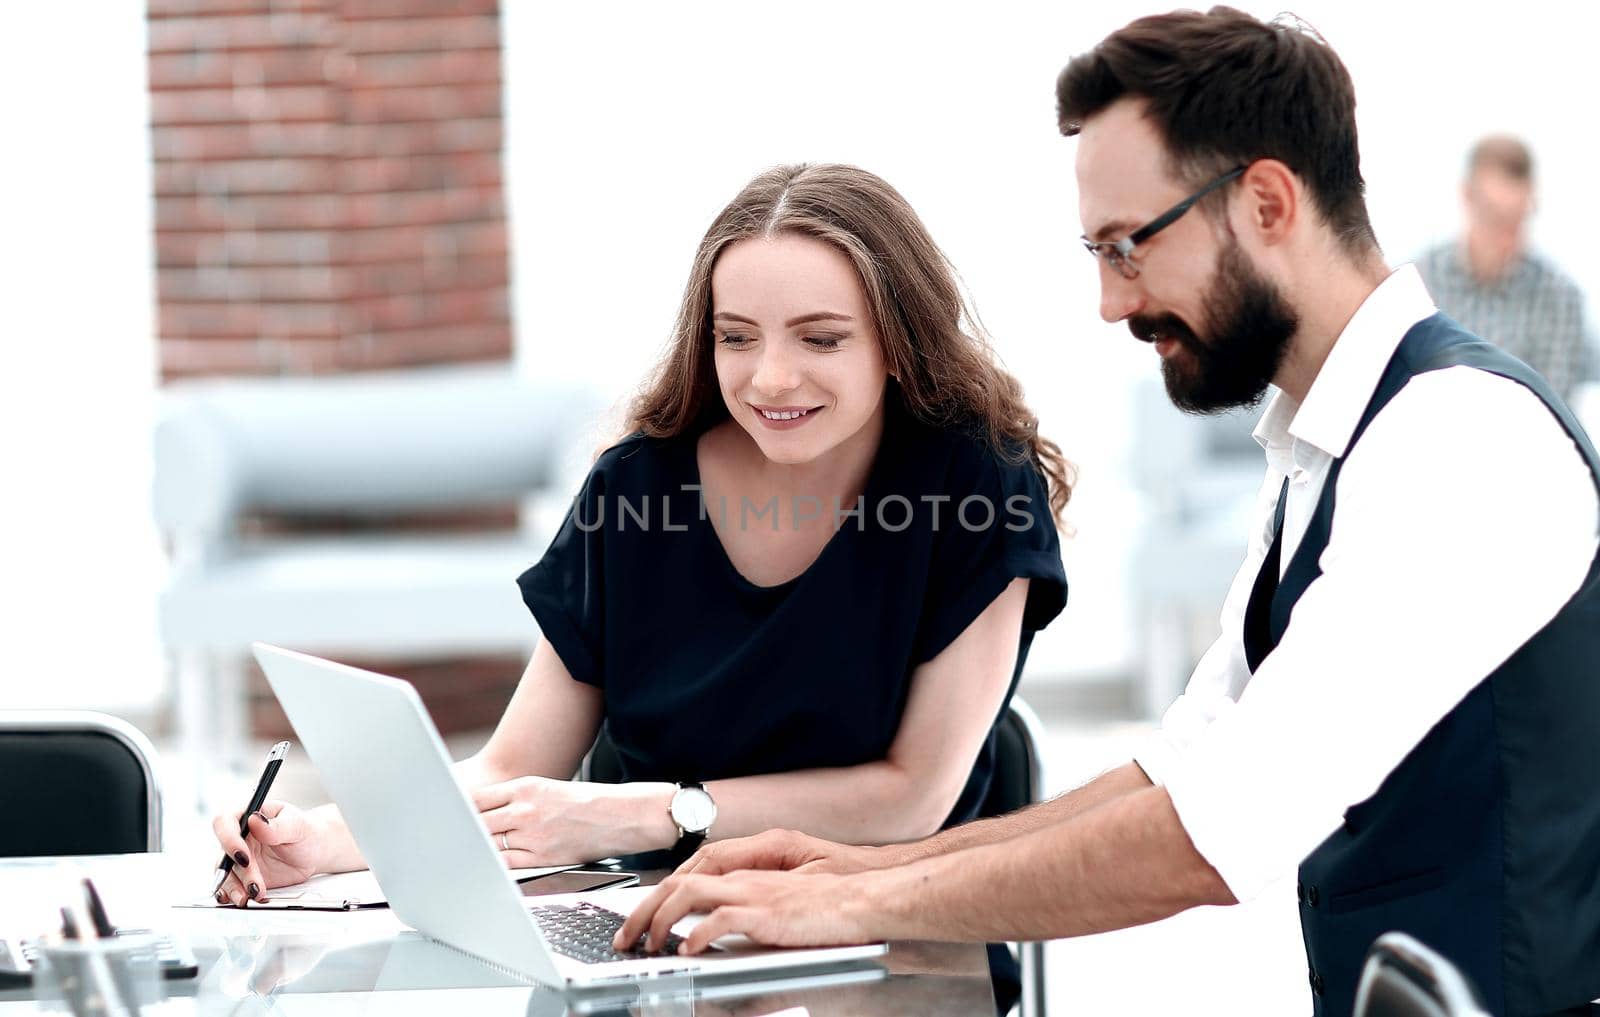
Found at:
(798, 358)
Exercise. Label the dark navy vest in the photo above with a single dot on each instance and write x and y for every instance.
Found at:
(1484, 842)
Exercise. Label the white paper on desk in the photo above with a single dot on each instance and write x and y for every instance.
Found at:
(346, 891)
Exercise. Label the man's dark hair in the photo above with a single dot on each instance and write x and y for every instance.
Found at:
(1504, 153)
(1225, 89)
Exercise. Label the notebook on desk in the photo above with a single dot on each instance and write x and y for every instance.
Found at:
(428, 848)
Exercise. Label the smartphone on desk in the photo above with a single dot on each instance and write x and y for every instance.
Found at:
(575, 881)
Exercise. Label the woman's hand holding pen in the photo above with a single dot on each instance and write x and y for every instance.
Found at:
(540, 821)
(285, 846)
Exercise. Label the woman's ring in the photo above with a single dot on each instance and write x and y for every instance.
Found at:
(505, 845)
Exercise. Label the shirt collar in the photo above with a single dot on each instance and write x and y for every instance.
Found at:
(1343, 387)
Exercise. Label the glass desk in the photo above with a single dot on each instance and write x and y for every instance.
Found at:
(290, 963)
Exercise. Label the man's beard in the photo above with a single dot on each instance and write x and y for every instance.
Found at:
(1248, 325)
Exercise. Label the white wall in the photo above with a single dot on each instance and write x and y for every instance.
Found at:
(631, 125)
(79, 563)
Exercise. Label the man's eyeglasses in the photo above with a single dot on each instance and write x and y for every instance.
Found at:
(1118, 253)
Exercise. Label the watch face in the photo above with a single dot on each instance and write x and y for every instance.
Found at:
(693, 810)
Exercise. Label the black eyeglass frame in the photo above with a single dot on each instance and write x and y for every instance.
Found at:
(1119, 253)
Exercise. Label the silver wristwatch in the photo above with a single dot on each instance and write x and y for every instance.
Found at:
(693, 812)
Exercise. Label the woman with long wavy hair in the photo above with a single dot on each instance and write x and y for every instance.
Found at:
(800, 591)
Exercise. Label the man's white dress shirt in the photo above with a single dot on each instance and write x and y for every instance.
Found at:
(1465, 519)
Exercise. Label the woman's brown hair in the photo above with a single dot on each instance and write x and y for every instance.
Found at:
(948, 375)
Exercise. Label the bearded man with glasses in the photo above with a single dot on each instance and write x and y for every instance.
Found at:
(1402, 704)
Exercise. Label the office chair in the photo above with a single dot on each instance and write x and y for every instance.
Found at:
(1017, 781)
(601, 764)
(1403, 978)
(76, 783)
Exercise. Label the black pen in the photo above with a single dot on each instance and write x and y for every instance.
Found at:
(274, 760)
(94, 911)
(97, 911)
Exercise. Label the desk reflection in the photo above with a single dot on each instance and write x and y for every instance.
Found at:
(291, 974)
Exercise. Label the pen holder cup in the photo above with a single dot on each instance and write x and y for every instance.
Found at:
(99, 978)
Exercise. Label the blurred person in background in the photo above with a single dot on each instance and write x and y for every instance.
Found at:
(799, 593)
(1489, 281)
(1402, 705)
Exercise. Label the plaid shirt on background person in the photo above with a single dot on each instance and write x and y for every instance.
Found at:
(1533, 311)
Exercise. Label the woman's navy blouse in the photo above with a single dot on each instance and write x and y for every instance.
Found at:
(707, 676)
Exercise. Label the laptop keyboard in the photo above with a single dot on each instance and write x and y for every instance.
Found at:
(584, 933)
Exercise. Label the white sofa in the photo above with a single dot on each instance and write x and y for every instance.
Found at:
(373, 445)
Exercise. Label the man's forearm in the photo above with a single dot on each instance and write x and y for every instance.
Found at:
(1126, 862)
(1109, 786)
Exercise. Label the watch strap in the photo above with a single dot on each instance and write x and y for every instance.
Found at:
(688, 844)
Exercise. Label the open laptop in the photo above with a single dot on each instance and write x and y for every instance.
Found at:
(383, 761)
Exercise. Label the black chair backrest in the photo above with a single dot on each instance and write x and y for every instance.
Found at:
(1011, 785)
(602, 764)
(74, 791)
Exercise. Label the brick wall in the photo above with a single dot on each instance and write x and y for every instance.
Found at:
(328, 198)
(328, 184)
